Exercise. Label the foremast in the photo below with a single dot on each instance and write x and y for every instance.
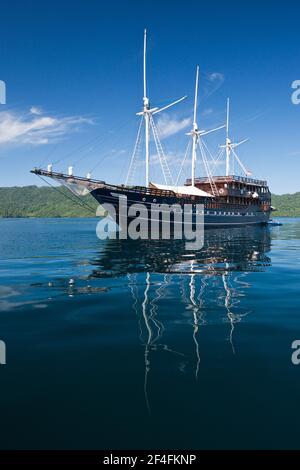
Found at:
(147, 114)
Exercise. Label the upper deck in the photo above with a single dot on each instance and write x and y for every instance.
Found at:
(229, 179)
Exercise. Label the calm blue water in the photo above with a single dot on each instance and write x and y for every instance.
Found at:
(149, 346)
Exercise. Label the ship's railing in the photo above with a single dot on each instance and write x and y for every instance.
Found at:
(228, 179)
(92, 184)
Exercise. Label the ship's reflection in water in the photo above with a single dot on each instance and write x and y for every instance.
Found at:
(205, 287)
(144, 345)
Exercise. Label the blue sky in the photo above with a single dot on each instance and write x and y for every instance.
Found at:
(74, 83)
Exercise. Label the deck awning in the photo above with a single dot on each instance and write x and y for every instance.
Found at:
(186, 190)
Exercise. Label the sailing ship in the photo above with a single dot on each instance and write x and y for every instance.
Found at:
(227, 200)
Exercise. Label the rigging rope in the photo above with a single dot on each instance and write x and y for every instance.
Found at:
(162, 158)
(97, 141)
(134, 154)
(183, 161)
(239, 162)
(81, 202)
(218, 157)
(209, 175)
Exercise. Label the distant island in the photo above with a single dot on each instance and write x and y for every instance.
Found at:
(34, 201)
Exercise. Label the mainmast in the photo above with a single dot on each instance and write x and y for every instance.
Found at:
(195, 129)
(196, 134)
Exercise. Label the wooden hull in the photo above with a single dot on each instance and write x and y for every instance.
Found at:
(226, 215)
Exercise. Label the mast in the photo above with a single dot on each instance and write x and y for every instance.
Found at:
(231, 146)
(228, 147)
(195, 133)
(195, 129)
(147, 113)
(146, 110)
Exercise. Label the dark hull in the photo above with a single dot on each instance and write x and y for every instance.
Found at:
(226, 215)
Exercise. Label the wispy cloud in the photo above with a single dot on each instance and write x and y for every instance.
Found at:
(256, 115)
(36, 128)
(215, 81)
(216, 77)
(296, 153)
(207, 112)
(168, 126)
(36, 110)
(173, 159)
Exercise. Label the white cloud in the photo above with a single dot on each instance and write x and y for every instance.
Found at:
(36, 110)
(216, 80)
(216, 77)
(34, 129)
(118, 151)
(256, 116)
(207, 112)
(168, 126)
(294, 154)
(172, 158)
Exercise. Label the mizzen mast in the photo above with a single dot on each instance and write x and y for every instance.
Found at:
(231, 146)
(195, 128)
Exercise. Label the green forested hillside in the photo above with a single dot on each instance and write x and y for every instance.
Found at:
(287, 205)
(33, 201)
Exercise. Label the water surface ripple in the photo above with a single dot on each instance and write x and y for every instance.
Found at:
(142, 344)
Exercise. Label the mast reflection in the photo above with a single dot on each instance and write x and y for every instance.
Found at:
(206, 282)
